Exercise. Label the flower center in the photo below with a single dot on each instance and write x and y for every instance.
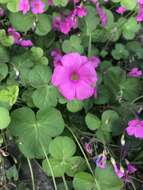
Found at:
(74, 76)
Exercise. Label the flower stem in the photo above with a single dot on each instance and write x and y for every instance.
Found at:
(49, 164)
(65, 183)
(32, 175)
(89, 45)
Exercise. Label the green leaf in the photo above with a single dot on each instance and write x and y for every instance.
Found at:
(129, 4)
(45, 97)
(33, 130)
(58, 167)
(62, 148)
(131, 89)
(92, 121)
(83, 181)
(12, 173)
(60, 2)
(21, 22)
(12, 5)
(107, 178)
(74, 106)
(39, 76)
(3, 71)
(43, 25)
(75, 164)
(8, 95)
(120, 52)
(4, 56)
(130, 28)
(4, 118)
(73, 45)
(110, 120)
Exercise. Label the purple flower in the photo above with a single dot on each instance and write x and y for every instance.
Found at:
(101, 161)
(24, 6)
(131, 168)
(135, 72)
(121, 10)
(119, 170)
(135, 128)
(37, 6)
(75, 78)
(88, 148)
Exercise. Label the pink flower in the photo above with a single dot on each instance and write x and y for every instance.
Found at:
(65, 26)
(25, 43)
(135, 72)
(88, 148)
(75, 78)
(57, 56)
(121, 10)
(24, 6)
(135, 128)
(139, 17)
(37, 6)
(50, 2)
(80, 11)
(16, 35)
(102, 14)
(95, 61)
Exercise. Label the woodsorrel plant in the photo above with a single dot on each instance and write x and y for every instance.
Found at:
(71, 94)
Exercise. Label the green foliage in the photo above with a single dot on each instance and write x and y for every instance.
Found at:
(32, 130)
(5, 118)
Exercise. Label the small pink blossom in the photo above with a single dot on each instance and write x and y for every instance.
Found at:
(139, 17)
(131, 168)
(102, 14)
(80, 11)
(135, 72)
(25, 43)
(121, 10)
(135, 128)
(24, 6)
(75, 78)
(37, 6)
(95, 61)
(16, 35)
(2, 12)
(88, 148)
(101, 161)
(57, 56)
(50, 2)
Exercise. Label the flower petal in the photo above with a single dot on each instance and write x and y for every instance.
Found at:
(67, 90)
(84, 90)
(59, 76)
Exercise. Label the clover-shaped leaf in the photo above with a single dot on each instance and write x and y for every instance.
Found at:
(72, 45)
(62, 161)
(120, 52)
(32, 130)
(130, 28)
